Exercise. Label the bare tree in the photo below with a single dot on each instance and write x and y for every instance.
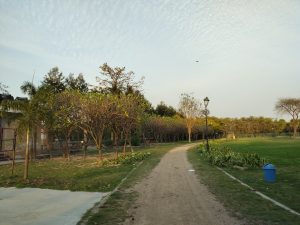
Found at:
(131, 108)
(290, 106)
(117, 82)
(190, 109)
(66, 120)
(96, 112)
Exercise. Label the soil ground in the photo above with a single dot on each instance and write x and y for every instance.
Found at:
(173, 194)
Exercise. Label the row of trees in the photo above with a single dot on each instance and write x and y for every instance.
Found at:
(116, 106)
(62, 105)
(162, 129)
(253, 126)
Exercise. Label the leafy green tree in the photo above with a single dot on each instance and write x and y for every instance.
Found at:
(117, 82)
(279, 125)
(163, 110)
(130, 108)
(290, 106)
(76, 83)
(96, 113)
(29, 88)
(163, 129)
(54, 81)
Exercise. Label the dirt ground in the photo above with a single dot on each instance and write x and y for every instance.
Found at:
(173, 194)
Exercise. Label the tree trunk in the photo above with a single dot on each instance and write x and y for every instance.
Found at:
(85, 143)
(31, 147)
(114, 138)
(295, 127)
(100, 147)
(189, 133)
(125, 142)
(34, 142)
(14, 153)
(116, 145)
(50, 140)
(67, 150)
(26, 155)
(129, 141)
(67, 142)
(100, 152)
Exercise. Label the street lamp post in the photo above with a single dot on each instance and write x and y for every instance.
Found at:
(206, 101)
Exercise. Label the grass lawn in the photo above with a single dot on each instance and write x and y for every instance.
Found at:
(75, 175)
(284, 153)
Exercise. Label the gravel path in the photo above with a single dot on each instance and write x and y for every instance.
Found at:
(172, 194)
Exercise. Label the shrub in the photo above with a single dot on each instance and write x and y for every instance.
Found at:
(131, 158)
(135, 139)
(225, 157)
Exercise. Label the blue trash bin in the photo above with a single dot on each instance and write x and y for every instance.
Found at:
(269, 172)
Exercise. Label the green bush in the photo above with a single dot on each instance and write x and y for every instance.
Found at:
(225, 157)
(107, 142)
(136, 138)
(135, 141)
(133, 157)
(130, 158)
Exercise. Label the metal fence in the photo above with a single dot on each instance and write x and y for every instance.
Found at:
(7, 143)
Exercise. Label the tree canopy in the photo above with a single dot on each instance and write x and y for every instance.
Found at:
(54, 80)
(76, 83)
(163, 110)
(116, 80)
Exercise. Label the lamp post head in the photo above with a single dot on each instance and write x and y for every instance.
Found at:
(206, 101)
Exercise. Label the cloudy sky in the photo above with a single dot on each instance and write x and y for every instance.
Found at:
(248, 51)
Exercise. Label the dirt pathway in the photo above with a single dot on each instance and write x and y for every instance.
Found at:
(172, 194)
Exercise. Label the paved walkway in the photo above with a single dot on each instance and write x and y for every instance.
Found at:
(34, 206)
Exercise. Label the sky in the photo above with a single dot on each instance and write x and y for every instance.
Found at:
(248, 51)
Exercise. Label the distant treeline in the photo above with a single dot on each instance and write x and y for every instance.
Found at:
(164, 128)
(58, 101)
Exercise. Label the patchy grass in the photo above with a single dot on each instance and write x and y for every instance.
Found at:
(241, 202)
(113, 212)
(75, 175)
(88, 175)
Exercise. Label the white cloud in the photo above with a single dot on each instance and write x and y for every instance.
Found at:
(234, 41)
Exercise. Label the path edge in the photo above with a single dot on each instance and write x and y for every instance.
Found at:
(99, 204)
